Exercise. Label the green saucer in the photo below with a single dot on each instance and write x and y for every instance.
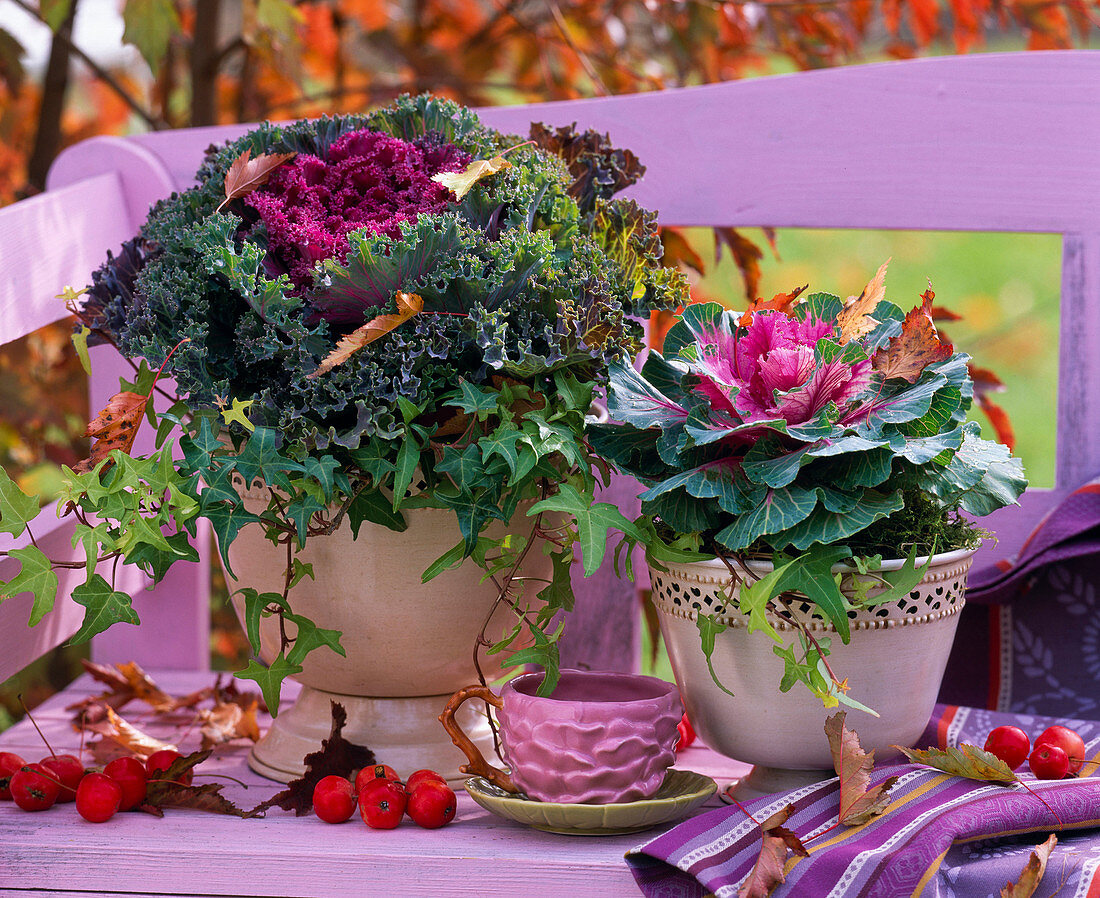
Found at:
(680, 793)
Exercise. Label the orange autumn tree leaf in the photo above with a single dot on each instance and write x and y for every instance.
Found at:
(1032, 874)
(408, 305)
(855, 319)
(678, 251)
(859, 802)
(917, 346)
(246, 174)
(746, 255)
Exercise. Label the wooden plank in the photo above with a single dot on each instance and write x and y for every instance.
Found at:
(990, 142)
(1078, 441)
(185, 852)
(65, 235)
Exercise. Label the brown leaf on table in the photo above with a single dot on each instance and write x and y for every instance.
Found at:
(336, 756)
(114, 428)
(1032, 874)
(408, 305)
(781, 302)
(855, 319)
(246, 174)
(964, 760)
(108, 674)
(917, 346)
(859, 802)
(227, 721)
(144, 688)
(461, 182)
(767, 872)
(118, 734)
(164, 792)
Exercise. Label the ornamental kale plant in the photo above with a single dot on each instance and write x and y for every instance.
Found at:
(350, 305)
(806, 431)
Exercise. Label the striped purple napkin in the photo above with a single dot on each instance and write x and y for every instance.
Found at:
(941, 836)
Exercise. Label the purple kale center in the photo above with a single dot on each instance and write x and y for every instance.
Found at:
(369, 180)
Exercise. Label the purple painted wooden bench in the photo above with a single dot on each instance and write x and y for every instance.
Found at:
(998, 142)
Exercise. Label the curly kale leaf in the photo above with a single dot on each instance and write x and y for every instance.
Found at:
(599, 170)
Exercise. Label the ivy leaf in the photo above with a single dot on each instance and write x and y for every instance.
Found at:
(1032, 874)
(16, 507)
(855, 319)
(310, 637)
(593, 519)
(36, 576)
(104, 606)
(964, 760)
(269, 678)
(461, 182)
(917, 346)
(336, 757)
(236, 415)
(709, 627)
(475, 400)
(246, 174)
(114, 428)
(858, 802)
(408, 305)
(80, 344)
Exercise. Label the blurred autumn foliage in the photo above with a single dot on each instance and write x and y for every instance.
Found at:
(201, 62)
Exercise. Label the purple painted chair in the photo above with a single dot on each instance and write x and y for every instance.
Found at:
(984, 143)
(996, 142)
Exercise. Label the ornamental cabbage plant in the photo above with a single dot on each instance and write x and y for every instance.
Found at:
(806, 431)
(370, 313)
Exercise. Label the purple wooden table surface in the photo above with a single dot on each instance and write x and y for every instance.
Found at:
(197, 853)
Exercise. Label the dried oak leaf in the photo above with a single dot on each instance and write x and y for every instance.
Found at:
(227, 721)
(855, 319)
(768, 871)
(461, 182)
(336, 756)
(163, 792)
(1032, 874)
(408, 305)
(114, 428)
(964, 760)
(143, 687)
(246, 174)
(121, 737)
(858, 802)
(917, 346)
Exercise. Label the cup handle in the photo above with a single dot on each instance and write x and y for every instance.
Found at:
(478, 766)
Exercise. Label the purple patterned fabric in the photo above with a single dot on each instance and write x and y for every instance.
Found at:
(943, 836)
(1029, 638)
(1068, 531)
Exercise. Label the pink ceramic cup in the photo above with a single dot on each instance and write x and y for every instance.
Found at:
(600, 738)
